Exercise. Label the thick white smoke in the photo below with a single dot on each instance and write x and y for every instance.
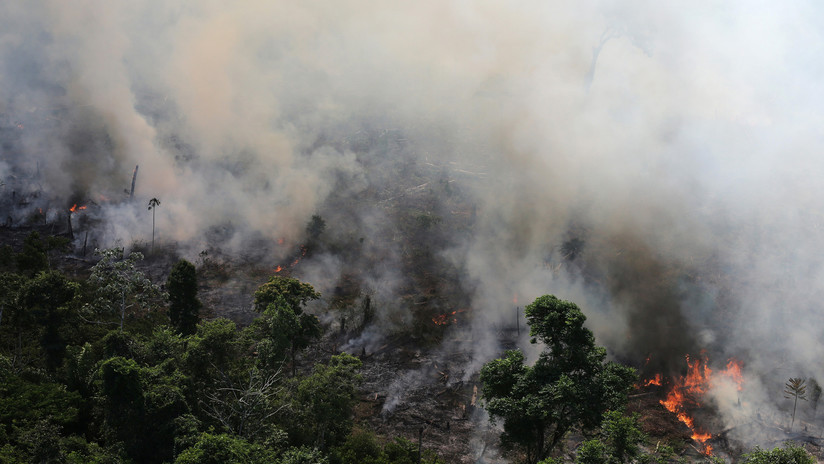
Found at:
(657, 163)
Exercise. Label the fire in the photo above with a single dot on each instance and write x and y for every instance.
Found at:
(303, 251)
(685, 392)
(654, 381)
(733, 371)
(445, 319)
(76, 208)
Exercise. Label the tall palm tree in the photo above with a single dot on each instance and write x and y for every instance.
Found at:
(153, 204)
(797, 390)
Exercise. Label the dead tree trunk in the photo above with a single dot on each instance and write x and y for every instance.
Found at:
(134, 179)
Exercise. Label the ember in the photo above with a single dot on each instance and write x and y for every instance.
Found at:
(445, 319)
(303, 251)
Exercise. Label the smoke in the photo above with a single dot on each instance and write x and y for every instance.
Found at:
(658, 165)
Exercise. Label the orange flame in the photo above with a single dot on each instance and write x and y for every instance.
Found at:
(76, 208)
(303, 251)
(445, 319)
(654, 381)
(684, 392)
(733, 371)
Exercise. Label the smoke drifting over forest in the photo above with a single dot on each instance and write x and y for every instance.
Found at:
(660, 166)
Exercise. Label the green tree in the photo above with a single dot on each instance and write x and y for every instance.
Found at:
(184, 306)
(46, 297)
(141, 407)
(360, 447)
(303, 455)
(214, 352)
(796, 389)
(11, 309)
(571, 383)
(790, 454)
(623, 436)
(224, 449)
(592, 452)
(620, 439)
(120, 398)
(286, 330)
(119, 287)
(324, 401)
(32, 259)
(285, 326)
(295, 293)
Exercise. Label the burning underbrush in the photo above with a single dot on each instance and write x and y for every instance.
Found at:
(685, 408)
(707, 411)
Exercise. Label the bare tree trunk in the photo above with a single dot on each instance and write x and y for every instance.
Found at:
(153, 227)
(420, 443)
(795, 404)
(122, 309)
(539, 452)
(134, 179)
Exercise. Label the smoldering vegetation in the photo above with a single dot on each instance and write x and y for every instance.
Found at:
(658, 165)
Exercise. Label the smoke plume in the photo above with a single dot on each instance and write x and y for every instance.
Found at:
(657, 164)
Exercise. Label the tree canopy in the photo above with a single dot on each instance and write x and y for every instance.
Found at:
(571, 384)
(790, 454)
(184, 306)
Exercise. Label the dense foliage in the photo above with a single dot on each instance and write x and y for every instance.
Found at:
(111, 370)
(184, 306)
(569, 385)
(790, 454)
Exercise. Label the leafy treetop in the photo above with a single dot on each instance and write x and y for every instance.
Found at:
(570, 384)
(294, 292)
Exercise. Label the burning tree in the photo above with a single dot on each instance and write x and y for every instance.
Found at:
(570, 384)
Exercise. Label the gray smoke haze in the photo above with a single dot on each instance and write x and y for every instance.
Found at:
(659, 164)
